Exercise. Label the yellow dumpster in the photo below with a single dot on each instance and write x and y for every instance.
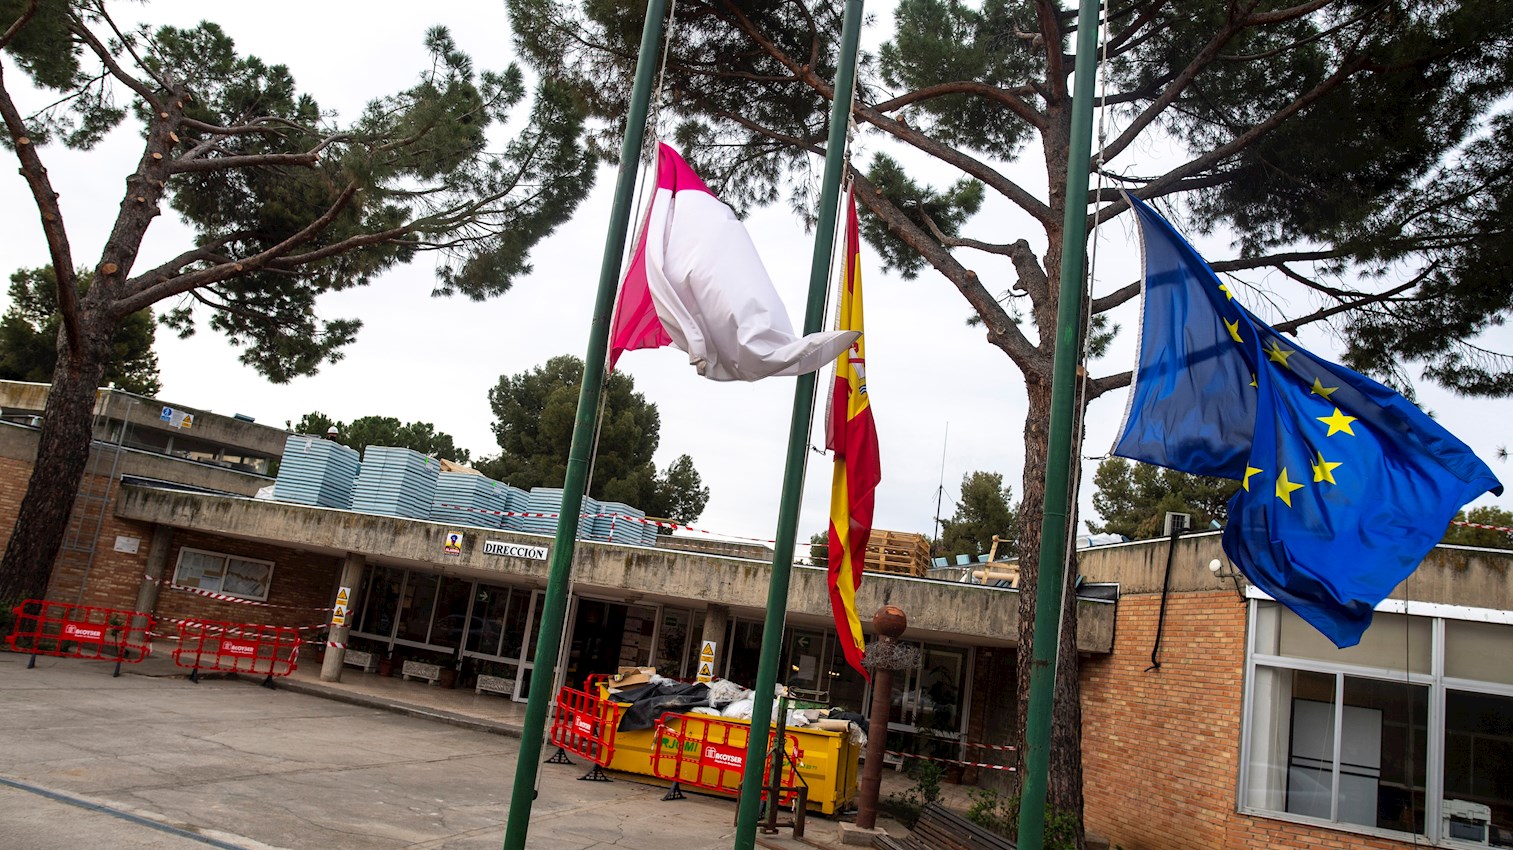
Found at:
(713, 753)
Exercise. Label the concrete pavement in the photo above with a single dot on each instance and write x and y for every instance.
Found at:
(88, 760)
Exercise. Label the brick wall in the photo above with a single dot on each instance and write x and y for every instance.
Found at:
(1161, 748)
(302, 582)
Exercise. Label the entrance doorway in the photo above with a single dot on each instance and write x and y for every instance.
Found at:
(607, 636)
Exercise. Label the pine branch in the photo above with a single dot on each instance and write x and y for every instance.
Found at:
(15, 27)
(1002, 332)
(46, 199)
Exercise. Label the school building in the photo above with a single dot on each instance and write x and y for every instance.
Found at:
(1213, 718)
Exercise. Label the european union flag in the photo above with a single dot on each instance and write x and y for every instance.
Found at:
(1345, 485)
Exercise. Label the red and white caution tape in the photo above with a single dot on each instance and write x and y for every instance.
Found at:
(232, 631)
(659, 523)
(1502, 528)
(951, 761)
(1000, 747)
(222, 597)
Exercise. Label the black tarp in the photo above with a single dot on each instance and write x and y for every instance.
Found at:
(648, 702)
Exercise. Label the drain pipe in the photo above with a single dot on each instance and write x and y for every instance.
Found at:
(1166, 581)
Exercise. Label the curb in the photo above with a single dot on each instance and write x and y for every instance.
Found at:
(493, 727)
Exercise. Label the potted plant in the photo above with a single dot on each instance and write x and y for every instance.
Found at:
(386, 662)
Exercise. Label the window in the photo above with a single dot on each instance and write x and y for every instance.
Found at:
(226, 574)
(1409, 733)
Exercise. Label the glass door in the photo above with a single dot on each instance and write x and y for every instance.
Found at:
(528, 615)
(928, 705)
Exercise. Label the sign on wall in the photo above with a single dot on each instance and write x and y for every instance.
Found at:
(706, 661)
(339, 611)
(514, 550)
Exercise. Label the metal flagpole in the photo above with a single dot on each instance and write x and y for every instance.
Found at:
(798, 433)
(559, 567)
(1053, 528)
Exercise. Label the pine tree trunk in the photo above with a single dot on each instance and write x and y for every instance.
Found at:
(62, 456)
(1064, 788)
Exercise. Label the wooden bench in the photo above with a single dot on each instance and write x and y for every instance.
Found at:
(420, 670)
(358, 658)
(939, 828)
(495, 685)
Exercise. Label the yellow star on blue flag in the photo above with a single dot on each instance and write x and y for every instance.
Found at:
(1219, 392)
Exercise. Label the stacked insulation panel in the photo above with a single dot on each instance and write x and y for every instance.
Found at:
(396, 482)
(616, 528)
(477, 500)
(548, 500)
(518, 501)
(314, 471)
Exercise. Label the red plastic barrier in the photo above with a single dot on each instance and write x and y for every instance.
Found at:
(709, 752)
(237, 647)
(44, 627)
(585, 724)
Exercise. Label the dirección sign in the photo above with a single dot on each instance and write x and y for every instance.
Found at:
(514, 550)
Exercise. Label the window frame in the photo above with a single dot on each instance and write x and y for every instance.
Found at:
(1436, 680)
(226, 559)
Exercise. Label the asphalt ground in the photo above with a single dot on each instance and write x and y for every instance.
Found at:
(88, 760)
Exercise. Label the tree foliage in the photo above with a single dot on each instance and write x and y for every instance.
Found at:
(819, 548)
(367, 431)
(534, 414)
(1488, 537)
(29, 336)
(285, 200)
(1134, 498)
(984, 508)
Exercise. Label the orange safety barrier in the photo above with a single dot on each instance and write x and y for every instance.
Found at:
(585, 724)
(66, 630)
(237, 648)
(709, 752)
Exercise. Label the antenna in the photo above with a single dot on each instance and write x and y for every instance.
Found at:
(940, 490)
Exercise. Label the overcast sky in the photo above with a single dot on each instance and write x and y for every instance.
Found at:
(434, 360)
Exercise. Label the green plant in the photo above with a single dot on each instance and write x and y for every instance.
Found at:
(999, 813)
(908, 806)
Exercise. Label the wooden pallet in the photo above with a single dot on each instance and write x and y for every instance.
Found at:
(898, 552)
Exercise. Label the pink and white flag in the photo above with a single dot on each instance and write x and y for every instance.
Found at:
(697, 283)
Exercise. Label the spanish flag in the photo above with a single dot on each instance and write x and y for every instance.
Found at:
(853, 438)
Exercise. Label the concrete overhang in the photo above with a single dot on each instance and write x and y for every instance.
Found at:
(937, 610)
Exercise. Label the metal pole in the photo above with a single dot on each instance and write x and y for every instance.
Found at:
(798, 433)
(579, 456)
(1053, 529)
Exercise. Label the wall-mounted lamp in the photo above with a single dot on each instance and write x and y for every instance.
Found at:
(1223, 570)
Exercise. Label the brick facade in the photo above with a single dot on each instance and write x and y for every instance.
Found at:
(1161, 748)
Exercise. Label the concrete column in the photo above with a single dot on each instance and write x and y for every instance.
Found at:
(351, 574)
(716, 621)
(157, 565)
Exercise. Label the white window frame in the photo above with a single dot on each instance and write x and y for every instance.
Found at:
(226, 559)
(1436, 680)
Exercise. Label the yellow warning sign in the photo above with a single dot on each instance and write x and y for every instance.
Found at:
(339, 611)
(706, 651)
(706, 672)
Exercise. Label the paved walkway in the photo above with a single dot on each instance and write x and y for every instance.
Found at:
(151, 759)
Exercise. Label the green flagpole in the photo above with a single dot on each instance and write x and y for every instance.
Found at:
(798, 434)
(560, 566)
(1053, 529)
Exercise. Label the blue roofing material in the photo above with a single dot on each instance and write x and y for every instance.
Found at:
(314, 471)
(396, 481)
(475, 499)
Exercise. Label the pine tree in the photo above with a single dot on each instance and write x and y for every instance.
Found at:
(285, 203)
